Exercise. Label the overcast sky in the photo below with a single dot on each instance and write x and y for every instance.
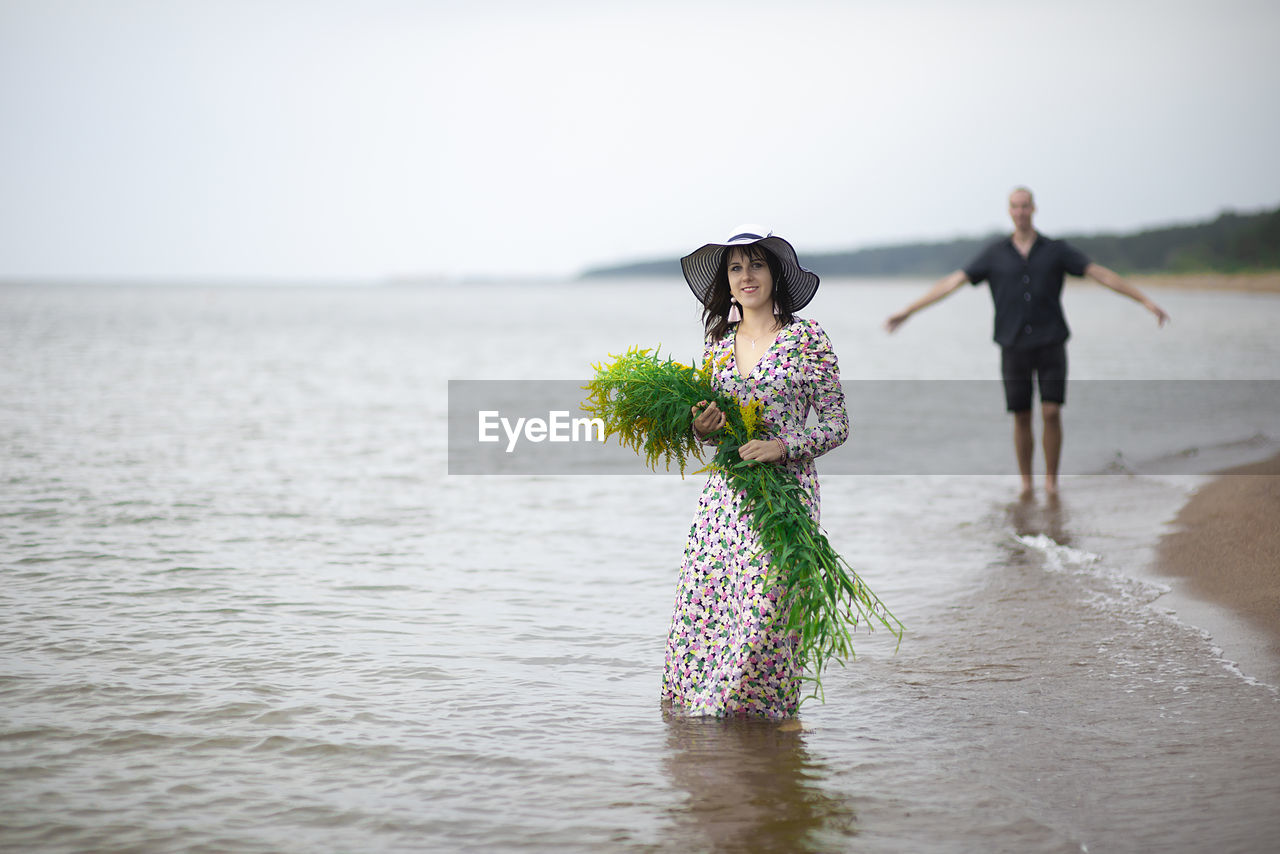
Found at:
(356, 140)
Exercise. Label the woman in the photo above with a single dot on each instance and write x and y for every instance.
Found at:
(728, 653)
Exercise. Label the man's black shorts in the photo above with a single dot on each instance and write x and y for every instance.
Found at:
(1049, 364)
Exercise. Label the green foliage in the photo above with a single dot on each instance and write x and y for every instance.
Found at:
(1232, 243)
(646, 402)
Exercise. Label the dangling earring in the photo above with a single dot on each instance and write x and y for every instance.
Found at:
(735, 316)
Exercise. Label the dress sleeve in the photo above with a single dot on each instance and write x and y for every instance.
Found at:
(820, 382)
(708, 352)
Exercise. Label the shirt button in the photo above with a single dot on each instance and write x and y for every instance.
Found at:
(1026, 280)
(1027, 329)
(1026, 297)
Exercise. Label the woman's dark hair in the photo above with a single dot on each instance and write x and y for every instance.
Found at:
(715, 309)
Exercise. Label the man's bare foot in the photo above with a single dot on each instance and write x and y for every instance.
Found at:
(1028, 490)
(1051, 488)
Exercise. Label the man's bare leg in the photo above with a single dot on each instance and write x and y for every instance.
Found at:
(1024, 446)
(1052, 414)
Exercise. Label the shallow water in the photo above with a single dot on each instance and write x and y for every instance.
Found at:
(244, 609)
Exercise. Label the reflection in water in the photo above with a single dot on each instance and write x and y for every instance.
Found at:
(1027, 517)
(752, 787)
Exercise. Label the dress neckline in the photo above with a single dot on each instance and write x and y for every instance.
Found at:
(733, 350)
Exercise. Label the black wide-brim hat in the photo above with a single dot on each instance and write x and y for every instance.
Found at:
(700, 266)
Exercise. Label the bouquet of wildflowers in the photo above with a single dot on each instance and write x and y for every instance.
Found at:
(645, 401)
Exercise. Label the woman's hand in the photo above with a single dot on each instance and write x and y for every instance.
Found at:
(763, 450)
(707, 418)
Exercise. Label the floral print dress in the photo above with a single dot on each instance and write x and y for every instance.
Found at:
(728, 652)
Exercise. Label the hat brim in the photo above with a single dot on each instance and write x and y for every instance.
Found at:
(701, 265)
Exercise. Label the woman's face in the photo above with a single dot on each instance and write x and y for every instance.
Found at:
(750, 281)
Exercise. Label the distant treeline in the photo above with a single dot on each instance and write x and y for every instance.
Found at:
(1232, 243)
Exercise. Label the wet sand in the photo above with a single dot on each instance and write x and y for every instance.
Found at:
(1227, 542)
(1226, 545)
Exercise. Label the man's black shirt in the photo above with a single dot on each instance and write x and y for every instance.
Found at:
(1027, 292)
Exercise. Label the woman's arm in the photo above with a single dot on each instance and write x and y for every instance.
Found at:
(821, 381)
(707, 417)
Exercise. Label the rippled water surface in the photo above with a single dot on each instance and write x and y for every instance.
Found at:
(245, 609)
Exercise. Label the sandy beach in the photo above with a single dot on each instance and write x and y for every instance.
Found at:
(1227, 545)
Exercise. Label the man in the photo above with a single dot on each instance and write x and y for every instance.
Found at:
(1026, 272)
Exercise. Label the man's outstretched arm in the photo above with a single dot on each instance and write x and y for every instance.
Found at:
(1111, 279)
(941, 288)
